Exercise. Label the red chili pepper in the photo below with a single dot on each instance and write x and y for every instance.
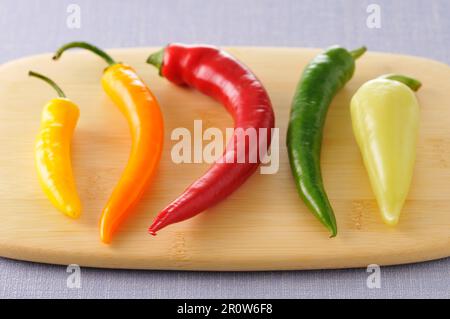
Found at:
(220, 76)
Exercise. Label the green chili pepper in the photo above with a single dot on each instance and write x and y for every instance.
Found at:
(324, 76)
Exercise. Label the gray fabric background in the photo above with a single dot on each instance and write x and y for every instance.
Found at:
(417, 27)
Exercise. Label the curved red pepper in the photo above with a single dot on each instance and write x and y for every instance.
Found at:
(220, 76)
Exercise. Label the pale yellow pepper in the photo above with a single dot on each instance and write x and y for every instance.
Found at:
(53, 152)
(385, 118)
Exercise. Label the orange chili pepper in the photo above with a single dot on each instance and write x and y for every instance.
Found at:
(142, 111)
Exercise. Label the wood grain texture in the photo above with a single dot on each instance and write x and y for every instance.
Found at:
(264, 225)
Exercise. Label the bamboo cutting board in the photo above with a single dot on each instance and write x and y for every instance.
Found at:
(263, 225)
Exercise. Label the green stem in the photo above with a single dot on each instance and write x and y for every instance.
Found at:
(156, 59)
(413, 84)
(358, 52)
(49, 81)
(84, 45)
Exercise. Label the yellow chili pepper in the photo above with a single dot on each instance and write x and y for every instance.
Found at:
(53, 151)
(385, 116)
(141, 109)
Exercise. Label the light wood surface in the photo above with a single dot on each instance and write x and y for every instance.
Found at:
(263, 225)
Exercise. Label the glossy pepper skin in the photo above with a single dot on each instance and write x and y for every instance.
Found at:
(53, 152)
(385, 117)
(220, 76)
(141, 109)
(322, 78)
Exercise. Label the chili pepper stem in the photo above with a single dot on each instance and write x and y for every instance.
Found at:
(358, 52)
(413, 84)
(156, 59)
(49, 81)
(87, 46)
